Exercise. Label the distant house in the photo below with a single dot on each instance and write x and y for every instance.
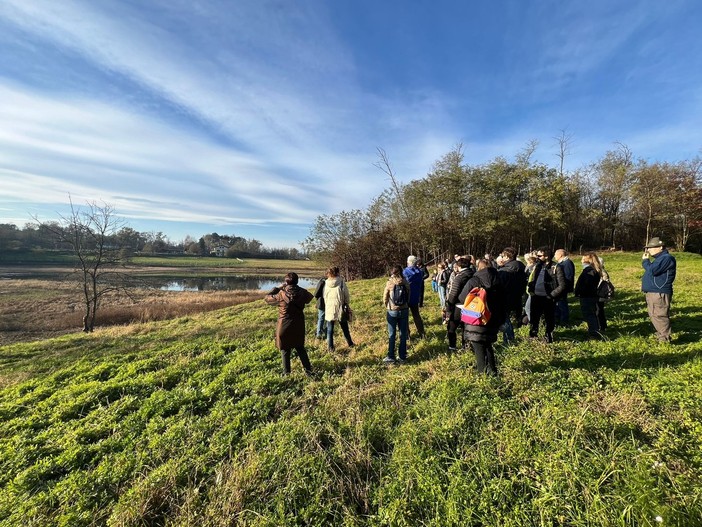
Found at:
(220, 250)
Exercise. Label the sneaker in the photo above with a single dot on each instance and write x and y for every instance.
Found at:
(388, 360)
(549, 338)
(451, 348)
(401, 361)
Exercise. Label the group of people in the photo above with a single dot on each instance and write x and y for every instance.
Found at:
(516, 293)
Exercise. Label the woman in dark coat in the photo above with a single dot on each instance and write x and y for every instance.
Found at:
(481, 338)
(586, 290)
(290, 333)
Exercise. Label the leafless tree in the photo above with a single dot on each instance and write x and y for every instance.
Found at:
(90, 234)
(383, 164)
(564, 142)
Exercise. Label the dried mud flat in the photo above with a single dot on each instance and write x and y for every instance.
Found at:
(35, 308)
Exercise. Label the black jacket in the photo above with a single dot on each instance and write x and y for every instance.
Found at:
(586, 286)
(514, 280)
(319, 293)
(554, 281)
(489, 280)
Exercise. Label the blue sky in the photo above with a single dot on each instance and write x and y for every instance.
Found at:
(253, 117)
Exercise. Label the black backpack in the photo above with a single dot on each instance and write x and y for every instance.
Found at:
(399, 295)
(605, 291)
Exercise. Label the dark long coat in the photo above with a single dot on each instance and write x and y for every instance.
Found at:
(291, 300)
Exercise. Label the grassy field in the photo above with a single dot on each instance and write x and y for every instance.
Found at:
(188, 422)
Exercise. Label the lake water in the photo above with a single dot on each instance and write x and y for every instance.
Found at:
(179, 283)
(223, 283)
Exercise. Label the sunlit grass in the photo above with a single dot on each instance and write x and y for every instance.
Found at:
(189, 422)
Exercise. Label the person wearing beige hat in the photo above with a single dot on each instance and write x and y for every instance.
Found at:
(657, 284)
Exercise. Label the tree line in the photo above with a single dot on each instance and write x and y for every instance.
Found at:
(52, 236)
(614, 203)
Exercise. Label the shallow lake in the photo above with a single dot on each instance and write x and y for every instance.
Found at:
(222, 283)
(180, 283)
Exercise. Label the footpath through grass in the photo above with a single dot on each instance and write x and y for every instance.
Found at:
(188, 422)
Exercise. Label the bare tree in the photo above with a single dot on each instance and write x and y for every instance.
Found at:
(91, 235)
(564, 142)
(383, 164)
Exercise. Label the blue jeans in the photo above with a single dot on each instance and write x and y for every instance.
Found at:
(434, 286)
(508, 330)
(330, 332)
(321, 324)
(397, 318)
(442, 296)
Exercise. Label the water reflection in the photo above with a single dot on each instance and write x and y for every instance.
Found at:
(223, 283)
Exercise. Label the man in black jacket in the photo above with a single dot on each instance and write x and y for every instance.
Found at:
(514, 280)
(462, 272)
(546, 285)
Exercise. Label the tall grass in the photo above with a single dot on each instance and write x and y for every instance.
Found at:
(188, 422)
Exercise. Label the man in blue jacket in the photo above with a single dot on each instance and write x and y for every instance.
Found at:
(415, 276)
(657, 284)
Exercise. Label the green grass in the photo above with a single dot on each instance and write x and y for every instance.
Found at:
(188, 422)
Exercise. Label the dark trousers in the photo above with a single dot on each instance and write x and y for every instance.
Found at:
(452, 328)
(542, 306)
(601, 317)
(484, 357)
(562, 311)
(418, 322)
(588, 308)
(330, 332)
(304, 359)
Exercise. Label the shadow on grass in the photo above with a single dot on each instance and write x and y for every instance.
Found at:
(628, 316)
(619, 361)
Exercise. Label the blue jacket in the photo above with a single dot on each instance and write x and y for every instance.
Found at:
(569, 272)
(659, 274)
(415, 277)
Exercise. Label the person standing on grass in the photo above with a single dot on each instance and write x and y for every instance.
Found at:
(336, 300)
(586, 291)
(415, 277)
(514, 279)
(562, 314)
(657, 284)
(321, 323)
(290, 331)
(481, 338)
(443, 274)
(546, 285)
(462, 272)
(395, 298)
(601, 314)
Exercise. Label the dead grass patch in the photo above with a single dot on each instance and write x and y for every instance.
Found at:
(40, 309)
